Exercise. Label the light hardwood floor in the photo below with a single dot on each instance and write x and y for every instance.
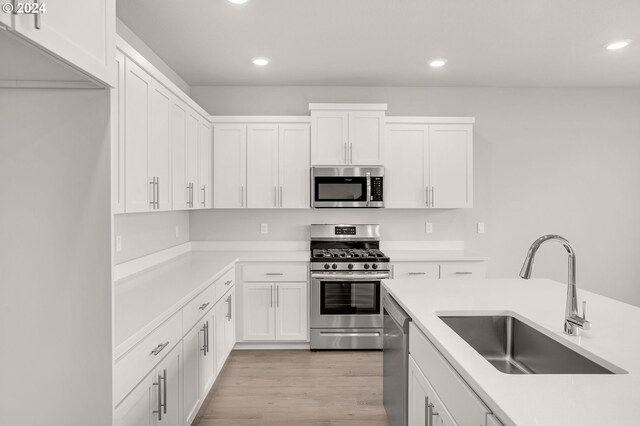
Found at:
(297, 387)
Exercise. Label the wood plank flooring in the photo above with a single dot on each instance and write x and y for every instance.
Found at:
(297, 387)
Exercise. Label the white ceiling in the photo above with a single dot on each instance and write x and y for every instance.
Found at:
(389, 42)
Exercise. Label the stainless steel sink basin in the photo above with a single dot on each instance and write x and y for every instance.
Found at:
(514, 347)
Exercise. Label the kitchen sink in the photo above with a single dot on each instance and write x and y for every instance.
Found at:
(514, 347)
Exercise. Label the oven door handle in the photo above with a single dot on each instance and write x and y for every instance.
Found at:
(368, 189)
(349, 277)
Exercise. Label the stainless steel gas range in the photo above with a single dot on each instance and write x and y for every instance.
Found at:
(346, 269)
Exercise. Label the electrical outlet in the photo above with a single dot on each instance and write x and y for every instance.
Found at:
(428, 227)
(177, 231)
(480, 227)
(264, 228)
(118, 243)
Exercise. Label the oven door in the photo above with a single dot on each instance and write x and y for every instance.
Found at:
(340, 300)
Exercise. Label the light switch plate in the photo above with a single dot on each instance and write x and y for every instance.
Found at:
(264, 228)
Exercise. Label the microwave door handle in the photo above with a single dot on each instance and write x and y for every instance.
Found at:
(368, 189)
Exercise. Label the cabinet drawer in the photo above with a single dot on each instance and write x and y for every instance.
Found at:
(137, 363)
(196, 309)
(463, 404)
(224, 283)
(463, 270)
(272, 272)
(416, 270)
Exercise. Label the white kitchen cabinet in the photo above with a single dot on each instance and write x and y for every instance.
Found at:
(275, 311)
(429, 165)
(157, 399)
(229, 165)
(291, 311)
(230, 324)
(225, 328)
(138, 186)
(463, 270)
(159, 151)
(180, 194)
(340, 136)
(425, 408)
(117, 137)
(415, 270)
(293, 166)
(451, 165)
(80, 33)
(262, 166)
(191, 158)
(258, 312)
(205, 183)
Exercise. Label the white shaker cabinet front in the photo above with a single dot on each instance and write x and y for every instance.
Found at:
(229, 165)
(191, 159)
(258, 312)
(262, 166)
(366, 136)
(225, 335)
(159, 154)
(138, 188)
(293, 166)
(425, 408)
(205, 183)
(407, 171)
(80, 33)
(199, 364)
(180, 191)
(291, 311)
(451, 165)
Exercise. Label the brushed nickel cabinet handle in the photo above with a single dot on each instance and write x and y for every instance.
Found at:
(204, 196)
(164, 390)
(158, 193)
(188, 195)
(229, 308)
(204, 339)
(346, 158)
(433, 197)
(159, 348)
(417, 273)
(159, 410)
(204, 306)
(463, 273)
(228, 282)
(350, 153)
(275, 196)
(152, 196)
(281, 196)
(274, 273)
(277, 296)
(271, 294)
(427, 192)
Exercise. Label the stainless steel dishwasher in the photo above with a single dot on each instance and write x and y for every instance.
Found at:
(395, 356)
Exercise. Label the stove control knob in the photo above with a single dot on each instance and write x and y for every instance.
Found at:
(374, 266)
(326, 266)
(350, 266)
(334, 266)
(366, 266)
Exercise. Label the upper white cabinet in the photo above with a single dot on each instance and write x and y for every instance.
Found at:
(229, 165)
(117, 138)
(179, 188)
(78, 33)
(159, 145)
(347, 134)
(205, 183)
(261, 165)
(428, 165)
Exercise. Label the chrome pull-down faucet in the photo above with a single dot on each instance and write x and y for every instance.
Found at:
(573, 322)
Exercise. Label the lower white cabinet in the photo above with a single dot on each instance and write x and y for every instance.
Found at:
(442, 270)
(225, 334)
(425, 408)
(157, 400)
(275, 311)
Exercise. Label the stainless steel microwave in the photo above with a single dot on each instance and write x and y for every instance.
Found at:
(347, 187)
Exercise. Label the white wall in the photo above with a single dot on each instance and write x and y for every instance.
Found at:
(55, 264)
(146, 233)
(546, 161)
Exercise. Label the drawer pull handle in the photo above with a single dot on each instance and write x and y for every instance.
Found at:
(464, 273)
(204, 306)
(159, 348)
(417, 273)
(228, 282)
(274, 273)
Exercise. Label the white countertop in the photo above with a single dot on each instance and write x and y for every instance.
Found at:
(545, 399)
(144, 300)
(433, 256)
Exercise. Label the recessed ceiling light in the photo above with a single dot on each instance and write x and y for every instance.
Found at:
(615, 45)
(437, 63)
(260, 61)
(238, 1)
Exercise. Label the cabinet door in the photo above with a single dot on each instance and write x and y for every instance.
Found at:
(117, 137)
(258, 311)
(81, 32)
(407, 162)
(169, 372)
(230, 323)
(137, 408)
(220, 314)
(159, 146)
(193, 344)
(207, 366)
(416, 270)
(291, 311)
(205, 184)
(294, 167)
(191, 160)
(451, 165)
(329, 138)
(229, 165)
(262, 166)
(138, 186)
(425, 408)
(179, 193)
(366, 138)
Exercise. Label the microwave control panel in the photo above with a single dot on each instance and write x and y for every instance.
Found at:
(376, 188)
